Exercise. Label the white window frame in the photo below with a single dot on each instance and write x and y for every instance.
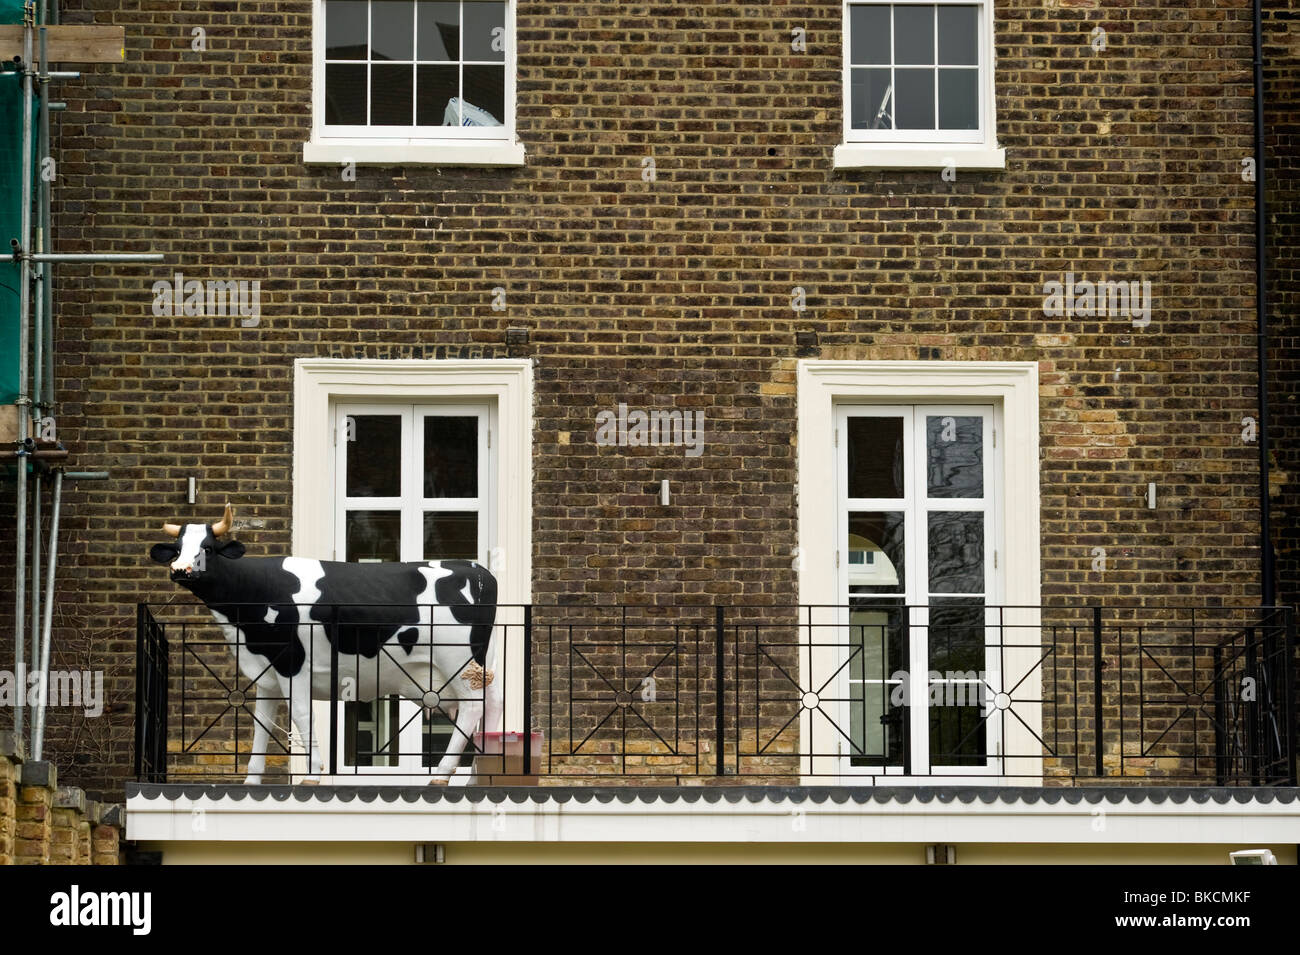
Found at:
(392, 145)
(320, 383)
(1012, 387)
(925, 149)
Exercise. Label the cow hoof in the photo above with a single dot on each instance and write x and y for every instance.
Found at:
(252, 780)
(437, 782)
(309, 782)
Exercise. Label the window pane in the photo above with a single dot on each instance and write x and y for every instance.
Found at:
(391, 95)
(958, 36)
(869, 34)
(958, 733)
(915, 95)
(438, 88)
(345, 30)
(956, 552)
(392, 25)
(956, 636)
(374, 536)
(876, 553)
(480, 20)
(485, 95)
(959, 99)
(451, 535)
(875, 632)
(955, 451)
(871, 99)
(370, 735)
(450, 456)
(875, 455)
(345, 95)
(914, 35)
(374, 455)
(438, 30)
(875, 655)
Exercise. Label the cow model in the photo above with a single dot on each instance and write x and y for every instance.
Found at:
(418, 630)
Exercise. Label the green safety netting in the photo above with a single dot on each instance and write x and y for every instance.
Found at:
(11, 130)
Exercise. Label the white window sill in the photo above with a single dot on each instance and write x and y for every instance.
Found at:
(477, 152)
(919, 156)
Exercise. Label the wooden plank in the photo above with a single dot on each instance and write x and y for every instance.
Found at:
(68, 44)
(8, 425)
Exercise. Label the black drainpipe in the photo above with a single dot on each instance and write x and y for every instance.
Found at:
(1268, 590)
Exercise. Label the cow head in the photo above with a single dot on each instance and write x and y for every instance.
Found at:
(196, 548)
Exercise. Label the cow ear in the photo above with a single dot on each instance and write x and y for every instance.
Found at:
(164, 553)
(231, 549)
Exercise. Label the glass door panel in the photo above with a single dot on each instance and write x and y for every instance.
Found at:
(915, 559)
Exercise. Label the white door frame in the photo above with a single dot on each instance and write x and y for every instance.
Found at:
(1010, 386)
(506, 383)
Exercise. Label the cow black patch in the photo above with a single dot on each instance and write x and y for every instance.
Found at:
(478, 609)
(244, 592)
(363, 605)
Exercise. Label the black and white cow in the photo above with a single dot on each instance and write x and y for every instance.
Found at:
(418, 630)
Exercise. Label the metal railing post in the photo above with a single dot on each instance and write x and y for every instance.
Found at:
(1288, 694)
(1097, 734)
(906, 641)
(1220, 714)
(1254, 720)
(334, 701)
(140, 679)
(719, 692)
(528, 689)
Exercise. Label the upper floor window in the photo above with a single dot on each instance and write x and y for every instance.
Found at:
(407, 81)
(918, 85)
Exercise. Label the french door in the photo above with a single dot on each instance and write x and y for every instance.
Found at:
(412, 483)
(917, 557)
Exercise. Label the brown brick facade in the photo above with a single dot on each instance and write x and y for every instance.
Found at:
(1123, 163)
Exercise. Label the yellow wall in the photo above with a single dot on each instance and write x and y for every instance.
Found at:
(496, 853)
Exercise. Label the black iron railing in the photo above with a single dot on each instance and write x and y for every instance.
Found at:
(872, 693)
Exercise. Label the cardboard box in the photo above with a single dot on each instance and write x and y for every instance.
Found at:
(500, 759)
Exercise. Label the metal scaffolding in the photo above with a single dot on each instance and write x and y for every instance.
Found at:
(36, 399)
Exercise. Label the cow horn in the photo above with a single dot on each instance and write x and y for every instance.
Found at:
(173, 529)
(226, 522)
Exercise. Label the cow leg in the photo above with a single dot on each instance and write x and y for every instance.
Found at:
(298, 690)
(263, 712)
(468, 713)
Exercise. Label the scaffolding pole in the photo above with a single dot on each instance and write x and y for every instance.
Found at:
(23, 402)
(36, 391)
(38, 721)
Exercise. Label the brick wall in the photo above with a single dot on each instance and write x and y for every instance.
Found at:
(1123, 163)
(43, 823)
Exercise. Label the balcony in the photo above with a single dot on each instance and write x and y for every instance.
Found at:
(866, 695)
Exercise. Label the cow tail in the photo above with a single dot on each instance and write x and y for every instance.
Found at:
(484, 588)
